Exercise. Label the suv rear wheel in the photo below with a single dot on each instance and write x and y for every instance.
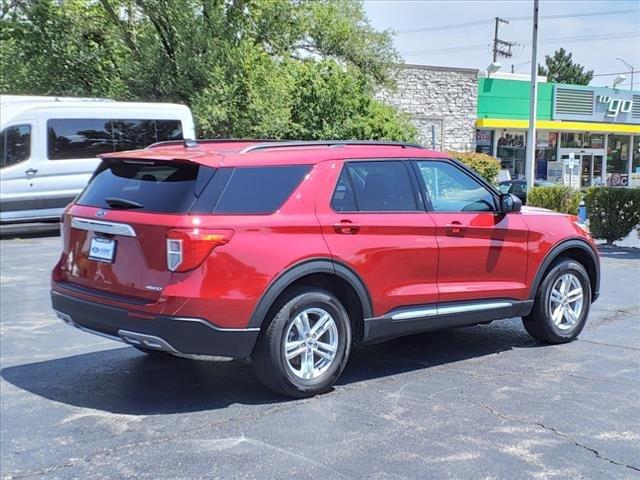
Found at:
(305, 348)
(562, 303)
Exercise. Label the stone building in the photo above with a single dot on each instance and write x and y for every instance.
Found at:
(442, 97)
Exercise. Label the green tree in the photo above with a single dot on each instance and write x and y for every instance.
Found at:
(561, 69)
(247, 68)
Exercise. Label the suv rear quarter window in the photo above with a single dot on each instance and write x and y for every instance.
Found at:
(259, 190)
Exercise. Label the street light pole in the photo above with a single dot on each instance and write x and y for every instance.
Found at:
(630, 67)
(530, 163)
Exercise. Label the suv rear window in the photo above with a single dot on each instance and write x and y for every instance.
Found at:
(259, 190)
(163, 187)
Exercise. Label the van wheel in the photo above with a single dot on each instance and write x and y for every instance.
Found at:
(305, 348)
(561, 305)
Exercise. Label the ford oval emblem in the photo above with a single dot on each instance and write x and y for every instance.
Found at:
(100, 213)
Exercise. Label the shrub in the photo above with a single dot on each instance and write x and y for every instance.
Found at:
(613, 212)
(485, 165)
(560, 198)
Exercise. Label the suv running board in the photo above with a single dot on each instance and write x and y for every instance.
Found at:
(425, 318)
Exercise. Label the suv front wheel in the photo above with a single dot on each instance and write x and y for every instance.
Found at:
(562, 303)
(305, 348)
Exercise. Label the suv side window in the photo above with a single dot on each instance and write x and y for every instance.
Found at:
(380, 186)
(259, 190)
(15, 145)
(344, 199)
(451, 190)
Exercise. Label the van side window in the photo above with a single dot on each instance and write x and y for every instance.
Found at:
(73, 138)
(15, 145)
(168, 130)
(79, 138)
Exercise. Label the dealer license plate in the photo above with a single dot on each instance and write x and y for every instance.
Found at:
(102, 249)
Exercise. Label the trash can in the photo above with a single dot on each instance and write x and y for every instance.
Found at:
(582, 211)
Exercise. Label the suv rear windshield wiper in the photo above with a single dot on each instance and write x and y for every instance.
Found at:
(117, 202)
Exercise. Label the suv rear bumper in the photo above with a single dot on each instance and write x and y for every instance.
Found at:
(188, 336)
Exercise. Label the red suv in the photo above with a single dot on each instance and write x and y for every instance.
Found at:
(289, 253)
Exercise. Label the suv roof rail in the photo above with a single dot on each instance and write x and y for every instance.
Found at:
(327, 143)
(189, 143)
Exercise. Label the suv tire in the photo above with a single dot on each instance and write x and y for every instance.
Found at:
(306, 345)
(561, 304)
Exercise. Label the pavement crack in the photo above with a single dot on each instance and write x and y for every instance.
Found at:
(609, 345)
(582, 445)
(96, 454)
(556, 432)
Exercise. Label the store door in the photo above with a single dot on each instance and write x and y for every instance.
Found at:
(586, 174)
(591, 170)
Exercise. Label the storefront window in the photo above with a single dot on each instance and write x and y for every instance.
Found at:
(593, 140)
(571, 140)
(511, 152)
(545, 152)
(635, 165)
(582, 140)
(618, 160)
(634, 178)
(484, 141)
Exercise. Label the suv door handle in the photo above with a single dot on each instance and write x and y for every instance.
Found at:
(455, 228)
(346, 227)
(31, 171)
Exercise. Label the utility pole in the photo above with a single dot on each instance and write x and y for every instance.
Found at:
(530, 163)
(497, 43)
(630, 67)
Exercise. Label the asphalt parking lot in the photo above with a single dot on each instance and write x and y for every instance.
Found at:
(479, 402)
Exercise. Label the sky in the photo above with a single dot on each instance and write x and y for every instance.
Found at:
(423, 33)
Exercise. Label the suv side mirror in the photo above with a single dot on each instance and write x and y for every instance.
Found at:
(510, 203)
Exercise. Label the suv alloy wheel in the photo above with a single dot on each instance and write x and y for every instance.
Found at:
(306, 346)
(561, 304)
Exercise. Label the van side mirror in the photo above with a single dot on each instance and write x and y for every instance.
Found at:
(510, 203)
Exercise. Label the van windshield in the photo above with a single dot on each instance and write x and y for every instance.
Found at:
(152, 186)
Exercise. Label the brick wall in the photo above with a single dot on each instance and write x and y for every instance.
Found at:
(443, 97)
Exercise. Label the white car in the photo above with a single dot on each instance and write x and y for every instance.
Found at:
(48, 146)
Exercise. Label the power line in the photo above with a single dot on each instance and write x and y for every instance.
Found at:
(482, 46)
(447, 27)
(576, 15)
(587, 38)
(610, 74)
(455, 26)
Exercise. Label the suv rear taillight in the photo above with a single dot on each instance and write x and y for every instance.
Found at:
(187, 248)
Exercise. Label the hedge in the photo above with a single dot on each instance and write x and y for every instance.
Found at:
(613, 212)
(560, 198)
(486, 165)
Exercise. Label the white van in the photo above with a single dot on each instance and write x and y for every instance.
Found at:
(48, 146)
